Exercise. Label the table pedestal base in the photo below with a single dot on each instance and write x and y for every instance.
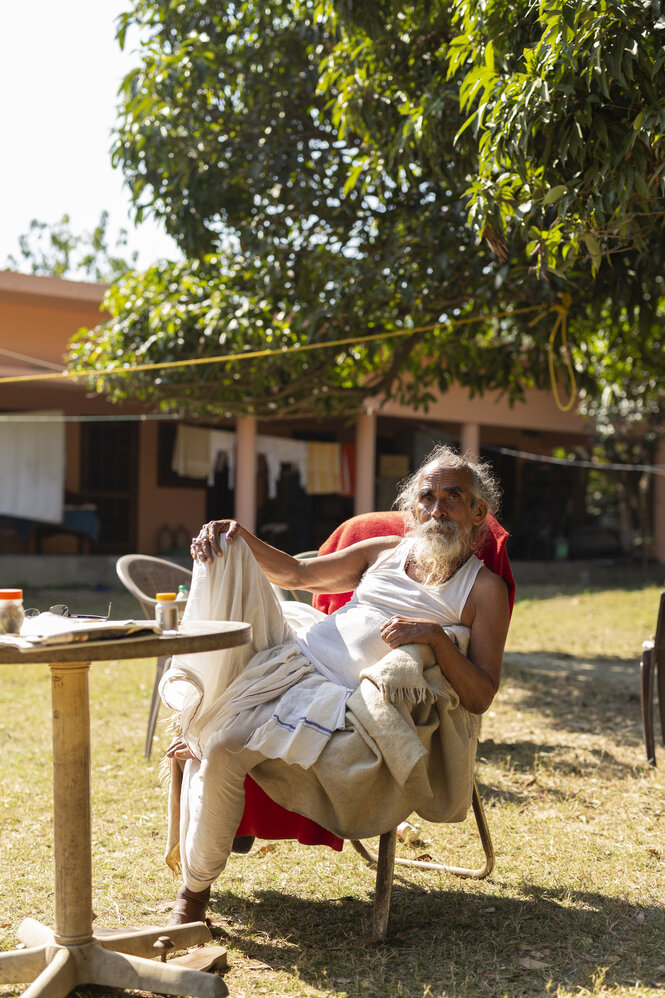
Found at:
(116, 960)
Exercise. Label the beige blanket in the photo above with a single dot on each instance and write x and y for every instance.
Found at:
(408, 745)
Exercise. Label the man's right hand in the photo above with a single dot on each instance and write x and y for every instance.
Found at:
(179, 749)
(206, 545)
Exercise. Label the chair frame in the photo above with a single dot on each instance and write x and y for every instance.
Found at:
(386, 860)
(166, 575)
(653, 663)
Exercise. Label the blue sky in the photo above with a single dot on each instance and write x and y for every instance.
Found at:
(60, 69)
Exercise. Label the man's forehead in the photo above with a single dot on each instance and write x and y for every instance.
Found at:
(446, 478)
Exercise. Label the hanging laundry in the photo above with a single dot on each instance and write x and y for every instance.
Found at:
(191, 453)
(281, 450)
(222, 449)
(32, 459)
(348, 470)
(324, 468)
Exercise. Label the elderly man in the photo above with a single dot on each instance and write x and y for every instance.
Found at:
(274, 704)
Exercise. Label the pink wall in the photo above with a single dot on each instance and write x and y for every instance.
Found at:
(158, 505)
(538, 412)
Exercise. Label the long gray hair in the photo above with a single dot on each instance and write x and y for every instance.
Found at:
(484, 485)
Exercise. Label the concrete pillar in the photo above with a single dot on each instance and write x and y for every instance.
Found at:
(470, 439)
(659, 508)
(364, 500)
(245, 491)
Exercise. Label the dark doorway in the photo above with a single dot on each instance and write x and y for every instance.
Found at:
(109, 453)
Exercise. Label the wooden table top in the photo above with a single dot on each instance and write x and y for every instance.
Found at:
(204, 636)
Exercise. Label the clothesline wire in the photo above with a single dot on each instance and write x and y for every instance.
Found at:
(654, 469)
(40, 417)
(30, 360)
(35, 417)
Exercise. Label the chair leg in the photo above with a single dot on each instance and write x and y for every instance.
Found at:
(384, 886)
(162, 664)
(646, 700)
(660, 672)
(484, 832)
(474, 873)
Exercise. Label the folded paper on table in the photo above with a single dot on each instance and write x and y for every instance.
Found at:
(55, 629)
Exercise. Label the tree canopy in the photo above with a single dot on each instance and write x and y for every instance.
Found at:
(566, 100)
(311, 159)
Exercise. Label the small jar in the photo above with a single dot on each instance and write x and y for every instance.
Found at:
(11, 611)
(166, 611)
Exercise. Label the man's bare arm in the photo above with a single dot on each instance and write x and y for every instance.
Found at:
(474, 676)
(339, 572)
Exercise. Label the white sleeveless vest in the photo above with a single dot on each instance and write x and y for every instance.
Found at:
(349, 640)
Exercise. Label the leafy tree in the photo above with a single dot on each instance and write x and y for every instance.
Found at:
(564, 112)
(225, 137)
(55, 251)
(311, 160)
(566, 100)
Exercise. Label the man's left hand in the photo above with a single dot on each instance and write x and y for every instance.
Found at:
(403, 631)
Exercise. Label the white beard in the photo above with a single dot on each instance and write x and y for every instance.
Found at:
(437, 549)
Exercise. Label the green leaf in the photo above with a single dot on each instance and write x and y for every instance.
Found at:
(554, 194)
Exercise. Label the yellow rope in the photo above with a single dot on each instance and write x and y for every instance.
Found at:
(254, 354)
(560, 310)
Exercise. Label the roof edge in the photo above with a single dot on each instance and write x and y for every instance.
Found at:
(36, 286)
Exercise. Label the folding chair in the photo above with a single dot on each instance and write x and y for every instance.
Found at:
(144, 576)
(359, 528)
(653, 661)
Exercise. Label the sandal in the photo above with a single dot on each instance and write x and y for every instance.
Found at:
(190, 906)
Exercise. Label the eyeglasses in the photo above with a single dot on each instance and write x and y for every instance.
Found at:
(62, 610)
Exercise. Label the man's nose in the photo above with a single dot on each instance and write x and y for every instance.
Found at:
(439, 509)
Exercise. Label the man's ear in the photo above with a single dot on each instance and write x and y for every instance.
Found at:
(479, 511)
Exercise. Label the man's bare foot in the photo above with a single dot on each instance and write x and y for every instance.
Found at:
(179, 749)
(190, 906)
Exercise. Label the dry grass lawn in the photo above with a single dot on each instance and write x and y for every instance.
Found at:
(575, 906)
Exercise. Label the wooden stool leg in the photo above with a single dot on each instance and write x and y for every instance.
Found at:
(384, 885)
(71, 803)
(646, 699)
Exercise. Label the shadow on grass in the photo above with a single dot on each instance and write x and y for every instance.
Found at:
(451, 941)
(583, 698)
(527, 757)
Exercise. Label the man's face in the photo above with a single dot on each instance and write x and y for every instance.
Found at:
(445, 498)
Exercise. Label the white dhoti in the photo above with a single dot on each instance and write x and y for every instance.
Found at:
(240, 706)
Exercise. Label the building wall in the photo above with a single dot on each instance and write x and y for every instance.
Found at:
(160, 507)
(538, 411)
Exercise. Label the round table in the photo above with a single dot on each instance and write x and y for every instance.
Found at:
(59, 960)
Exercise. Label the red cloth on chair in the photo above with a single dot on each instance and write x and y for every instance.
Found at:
(267, 820)
(262, 817)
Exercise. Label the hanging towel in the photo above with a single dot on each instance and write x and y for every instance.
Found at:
(191, 454)
(324, 468)
(32, 458)
(278, 451)
(222, 442)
